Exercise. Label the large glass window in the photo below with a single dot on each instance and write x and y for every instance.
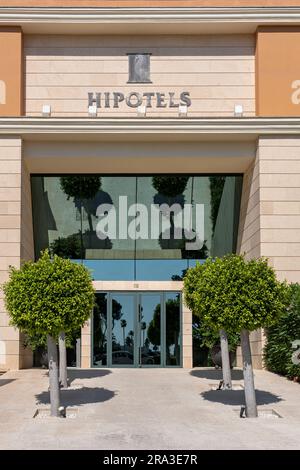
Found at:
(136, 227)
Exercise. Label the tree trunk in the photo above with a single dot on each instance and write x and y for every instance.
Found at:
(250, 398)
(63, 374)
(78, 352)
(227, 385)
(53, 376)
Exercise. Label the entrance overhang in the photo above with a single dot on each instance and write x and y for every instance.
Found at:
(130, 129)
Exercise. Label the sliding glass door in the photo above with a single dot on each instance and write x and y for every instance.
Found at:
(137, 330)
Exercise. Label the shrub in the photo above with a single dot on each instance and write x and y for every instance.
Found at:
(278, 350)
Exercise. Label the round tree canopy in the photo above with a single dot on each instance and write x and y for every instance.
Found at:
(49, 296)
(170, 186)
(81, 187)
(234, 294)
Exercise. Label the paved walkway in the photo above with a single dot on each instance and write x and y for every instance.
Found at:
(147, 409)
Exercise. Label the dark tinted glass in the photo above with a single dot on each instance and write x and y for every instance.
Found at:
(100, 326)
(173, 327)
(176, 219)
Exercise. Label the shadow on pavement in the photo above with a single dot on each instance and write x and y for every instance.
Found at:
(74, 374)
(237, 397)
(78, 397)
(6, 381)
(216, 374)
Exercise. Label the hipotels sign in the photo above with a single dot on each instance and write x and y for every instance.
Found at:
(139, 73)
(135, 99)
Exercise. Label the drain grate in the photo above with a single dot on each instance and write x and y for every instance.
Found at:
(234, 387)
(44, 413)
(262, 413)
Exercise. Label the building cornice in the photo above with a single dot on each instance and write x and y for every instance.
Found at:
(241, 19)
(227, 127)
(33, 14)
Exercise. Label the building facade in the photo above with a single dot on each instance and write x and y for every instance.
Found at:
(137, 137)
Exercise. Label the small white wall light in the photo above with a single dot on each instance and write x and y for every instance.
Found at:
(93, 110)
(141, 110)
(46, 110)
(182, 110)
(238, 110)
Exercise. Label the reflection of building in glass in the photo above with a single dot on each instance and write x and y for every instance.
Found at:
(69, 216)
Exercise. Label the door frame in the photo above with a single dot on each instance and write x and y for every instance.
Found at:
(137, 295)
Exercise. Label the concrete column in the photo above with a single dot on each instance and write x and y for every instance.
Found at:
(187, 337)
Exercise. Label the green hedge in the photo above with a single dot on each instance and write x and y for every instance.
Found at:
(278, 350)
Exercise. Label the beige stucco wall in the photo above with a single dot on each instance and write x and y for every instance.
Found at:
(10, 238)
(16, 241)
(270, 209)
(218, 71)
(280, 204)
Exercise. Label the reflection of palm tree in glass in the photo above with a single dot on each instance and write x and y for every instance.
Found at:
(216, 184)
(172, 330)
(129, 339)
(100, 320)
(123, 326)
(147, 344)
(83, 188)
(170, 187)
(143, 328)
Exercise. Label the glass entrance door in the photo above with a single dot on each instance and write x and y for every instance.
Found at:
(123, 329)
(150, 329)
(137, 329)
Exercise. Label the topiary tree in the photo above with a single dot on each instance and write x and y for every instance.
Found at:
(191, 286)
(68, 247)
(278, 351)
(47, 297)
(236, 295)
(82, 188)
